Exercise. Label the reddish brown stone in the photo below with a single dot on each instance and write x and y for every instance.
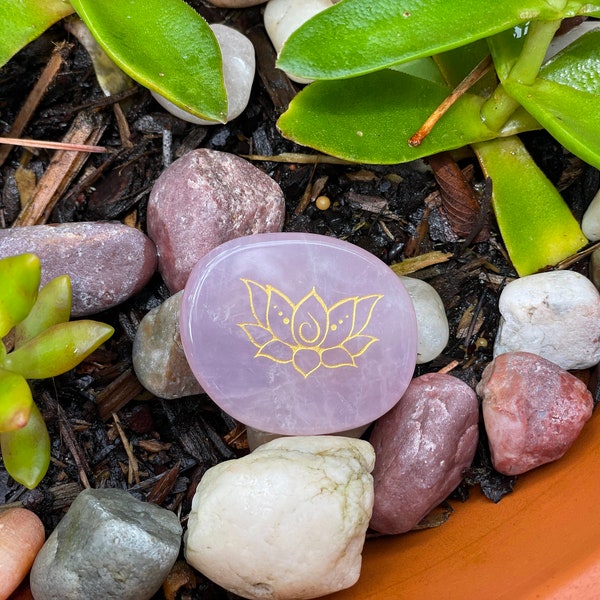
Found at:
(533, 410)
(204, 199)
(108, 262)
(422, 446)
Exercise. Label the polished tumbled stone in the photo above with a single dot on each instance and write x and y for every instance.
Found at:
(555, 315)
(108, 545)
(158, 358)
(533, 410)
(298, 334)
(423, 445)
(206, 198)
(107, 262)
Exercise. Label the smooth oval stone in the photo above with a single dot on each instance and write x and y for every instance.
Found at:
(206, 198)
(423, 445)
(239, 65)
(298, 334)
(590, 224)
(107, 262)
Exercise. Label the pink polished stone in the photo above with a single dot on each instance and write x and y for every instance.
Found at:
(298, 334)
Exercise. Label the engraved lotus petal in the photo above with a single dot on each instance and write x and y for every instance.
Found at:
(280, 311)
(363, 311)
(257, 334)
(337, 357)
(306, 361)
(341, 322)
(310, 320)
(277, 351)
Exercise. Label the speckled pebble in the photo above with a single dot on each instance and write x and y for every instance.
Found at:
(158, 358)
(555, 315)
(533, 410)
(108, 262)
(422, 446)
(108, 545)
(206, 198)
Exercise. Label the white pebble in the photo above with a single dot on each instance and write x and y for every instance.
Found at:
(432, 324)
(555, 315)
(590, 225)
(283, 17)
(239, 65)
(286, 521)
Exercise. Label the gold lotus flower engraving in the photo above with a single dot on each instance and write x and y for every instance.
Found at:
(308, 334)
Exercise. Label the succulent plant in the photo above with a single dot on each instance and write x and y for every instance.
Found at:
(37, 341)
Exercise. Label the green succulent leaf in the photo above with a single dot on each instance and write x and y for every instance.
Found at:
(19, 283)
(26, 451)
(166, 46)
(53, 306)
(370, 119)
(537, 226)
(25, 20)
(15, 401)
(354, 37)
(58, 349)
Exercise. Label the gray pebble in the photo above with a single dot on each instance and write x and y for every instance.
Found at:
(158, 358)
(108, 262)
(422, 446)
(206, 198)
(108, 545)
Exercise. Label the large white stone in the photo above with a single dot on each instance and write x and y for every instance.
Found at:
(287, 521)
(555, 315)
(239, 65)
(432, 324)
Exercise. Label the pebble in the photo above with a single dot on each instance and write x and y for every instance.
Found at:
(283, 17)
(326, 346)
(590, 224)
(422, 446)
(286, 521)
(555, 315)
(595, 268)
(21, 537)
(108, 545)
(532, 409)
(432, 324)
(204, 199)
(158, 358)
(239, 65)
(108, 262)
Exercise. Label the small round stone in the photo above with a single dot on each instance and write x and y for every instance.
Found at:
(323, 202)
(298, 334)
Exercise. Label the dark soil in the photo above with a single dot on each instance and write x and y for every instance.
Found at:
(392, 211)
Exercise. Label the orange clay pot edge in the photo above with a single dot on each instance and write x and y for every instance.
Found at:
(542, 541)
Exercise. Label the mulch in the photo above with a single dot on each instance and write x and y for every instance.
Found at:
(106, 430)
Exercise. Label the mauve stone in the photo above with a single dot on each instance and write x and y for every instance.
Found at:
(423, 445)
(108, 262)
(108, 545)
(298, 334)
(158, 358)
(533, 410)
(206, 198)
(555, 315)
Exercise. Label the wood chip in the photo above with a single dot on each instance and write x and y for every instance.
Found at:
(416, 263)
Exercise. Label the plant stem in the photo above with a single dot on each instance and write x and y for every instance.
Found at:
(498, 109)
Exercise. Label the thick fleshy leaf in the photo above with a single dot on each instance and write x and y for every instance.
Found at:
(15, 401)
(354, 37)
(537, 226)
(26, 451)
(25, 20)
(370, 119)
(57, 349)
(166, 46)
(53, 306)
(19, 282)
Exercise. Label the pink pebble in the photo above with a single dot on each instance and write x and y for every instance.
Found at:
(533, 410)
(423, 445)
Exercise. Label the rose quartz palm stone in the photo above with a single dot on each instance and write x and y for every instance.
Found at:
(298, 334)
